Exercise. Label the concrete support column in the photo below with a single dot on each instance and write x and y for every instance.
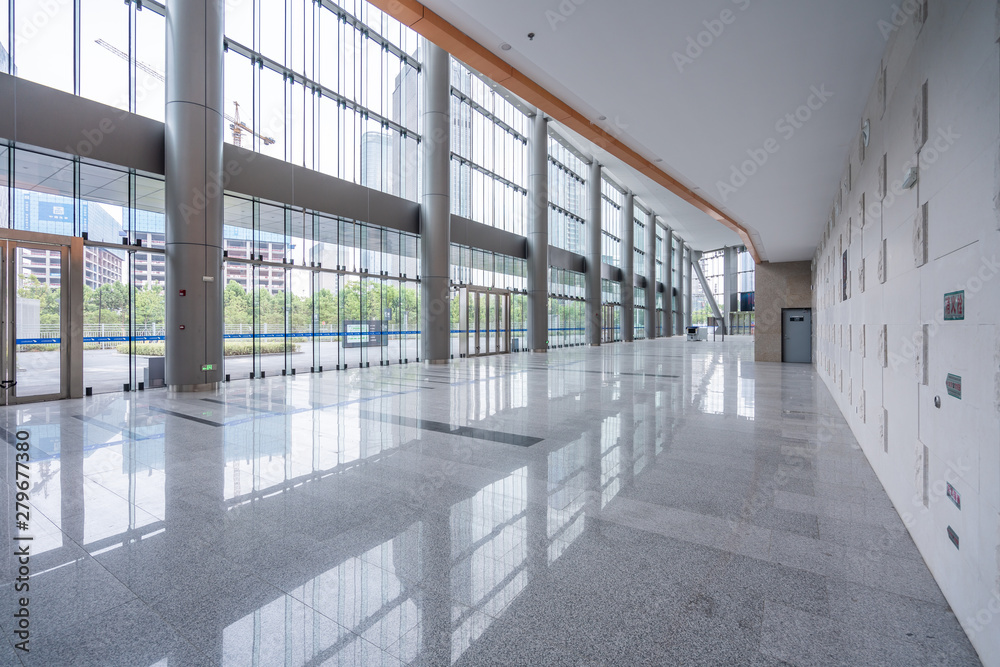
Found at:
(628, 268)
(651, 278)
(688, 284)
(679, 258)
(538, 234)
(668, 282)
(593, 279)
(435, 206)
(194, 211)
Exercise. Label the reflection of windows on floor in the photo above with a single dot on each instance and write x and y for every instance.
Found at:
(709, 395)
(489, 554)
(745, 397)
(611, 465)
(282, 451)
(566, 497)
(364, 594)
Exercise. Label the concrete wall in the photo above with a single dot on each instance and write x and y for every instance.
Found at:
(782, 285)
(886, 350)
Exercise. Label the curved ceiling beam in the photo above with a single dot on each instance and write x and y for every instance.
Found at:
(439, 31)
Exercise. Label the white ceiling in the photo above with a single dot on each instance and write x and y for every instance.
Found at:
(616, 59)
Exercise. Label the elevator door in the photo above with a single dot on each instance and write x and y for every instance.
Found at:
(796, 332)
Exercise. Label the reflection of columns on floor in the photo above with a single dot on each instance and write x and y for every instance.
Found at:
(435, 209)
(627, 439)
(194, 513)
(650, 431)
(651, 277)
(71, 457)
(193, 199)
(592, 475)
(537, 519)
(537, 410)
(628, 268)
(538, 234)
(436, 607)
(593, 275)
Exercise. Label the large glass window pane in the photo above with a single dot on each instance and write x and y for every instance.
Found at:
(38, 330)
(43, 198)
(4, 32)
(104, 212)
(104, 52)
(239, 21)
(43, 42)
(271, 23)
(150, 54)
(5, 155)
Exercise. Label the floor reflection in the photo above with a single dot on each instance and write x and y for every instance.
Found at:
(320, 519)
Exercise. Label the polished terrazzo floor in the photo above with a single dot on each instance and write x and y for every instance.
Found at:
(655, 503)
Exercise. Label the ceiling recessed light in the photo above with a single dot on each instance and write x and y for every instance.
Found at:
(505, 46)
(602, 118)
(659, 159)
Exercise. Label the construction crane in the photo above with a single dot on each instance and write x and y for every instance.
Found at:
(237, 126)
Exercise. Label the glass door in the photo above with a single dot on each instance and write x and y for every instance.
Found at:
(34, 363)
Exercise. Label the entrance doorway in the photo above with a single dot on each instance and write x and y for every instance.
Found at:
(610, 323)
(41, 356)
(796, 335)
(484, 322)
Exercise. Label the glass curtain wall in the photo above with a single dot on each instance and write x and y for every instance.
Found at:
(119, 52)
(567, 306)
(123, 310)
(611, 306)
(567, 198)
(712, 264)
(639, 294)
(481, 268)
(307, 292)
(489, 154)
(326, 85)
(746, 283)
(612, 200)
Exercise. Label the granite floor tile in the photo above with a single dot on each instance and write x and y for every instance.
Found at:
(310, 520)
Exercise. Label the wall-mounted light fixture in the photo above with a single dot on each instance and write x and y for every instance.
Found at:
(911, 178)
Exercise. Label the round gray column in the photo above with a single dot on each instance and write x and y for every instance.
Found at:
(435, 206)
(679, 259)
(592, 292)
(538, 234)
(688, 284)
(628, 268)
(194, 211)
(668, 282)
(651, 278)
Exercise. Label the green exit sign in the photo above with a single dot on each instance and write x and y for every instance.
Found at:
(208, 367)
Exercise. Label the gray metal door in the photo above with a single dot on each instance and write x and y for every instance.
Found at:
(796, 331)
